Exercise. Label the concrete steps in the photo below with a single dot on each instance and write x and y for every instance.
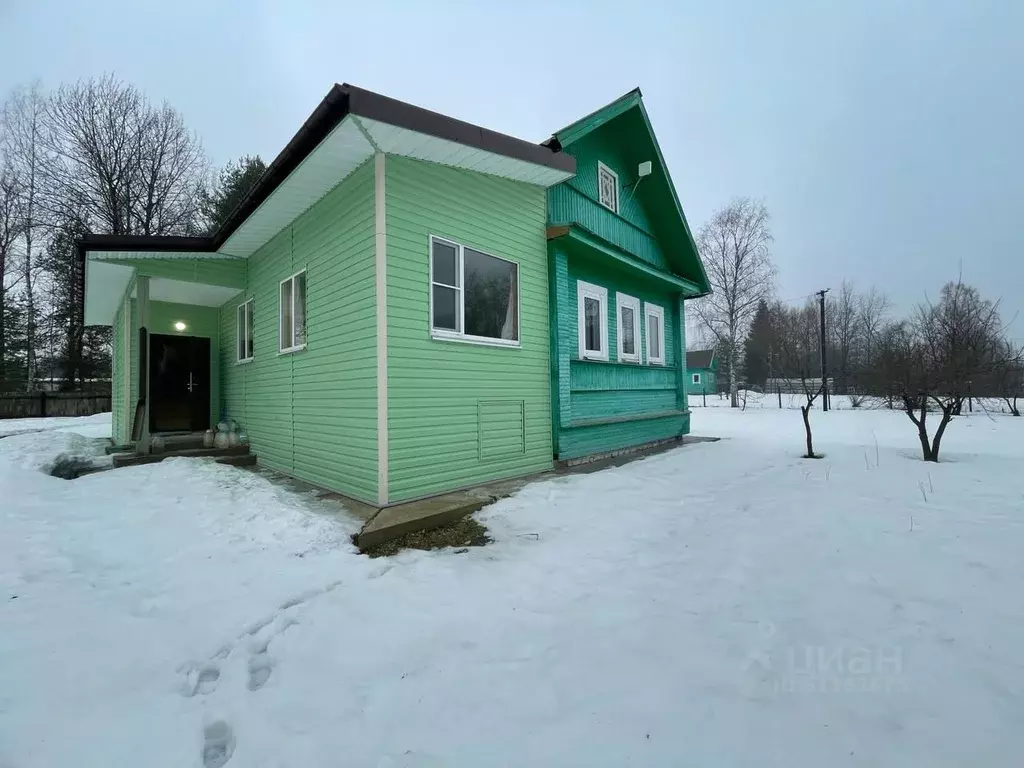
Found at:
(237, 456)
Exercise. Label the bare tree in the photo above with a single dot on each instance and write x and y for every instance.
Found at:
(872, 320)
(734, 247)
(1009, 376)
(931, 361)
(23, 117)
(842, 331)
(11, 221)
(799, 353)
(120, 165)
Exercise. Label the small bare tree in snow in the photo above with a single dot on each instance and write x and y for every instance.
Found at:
(799, 354)
(931, 361)
(734, 247)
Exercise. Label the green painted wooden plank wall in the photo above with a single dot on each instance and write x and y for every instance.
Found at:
(313, 413)
(595, 390)
(708, 381)
(453, 407)
(576, 200)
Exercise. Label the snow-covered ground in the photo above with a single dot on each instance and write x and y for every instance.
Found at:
(723, 604)
(87, 426)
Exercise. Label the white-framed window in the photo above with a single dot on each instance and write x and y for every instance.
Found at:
(592, 310)
(474, 296)
(696, 378)
(627, 308)
(243, 332)
(292, 313)
(608, 187)
(655, 317)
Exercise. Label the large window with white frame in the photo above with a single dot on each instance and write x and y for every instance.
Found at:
(608, 187)
(628, 329)
(292, 313)
(592, 310)
(474, 296)
(244, 331)
(655, 320)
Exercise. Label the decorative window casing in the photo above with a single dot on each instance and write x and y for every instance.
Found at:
(243, 332)
(627, 310)
(655, 321)
(592, 311)
(474, 296)
(292, 313)
(696, 378)
(607, 187)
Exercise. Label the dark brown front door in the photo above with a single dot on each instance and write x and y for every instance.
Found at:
(179, 383)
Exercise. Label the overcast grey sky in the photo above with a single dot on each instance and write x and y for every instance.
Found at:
(885, 137)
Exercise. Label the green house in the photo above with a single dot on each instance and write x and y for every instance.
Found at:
(622, 263)
(378, 314)
(701, 372)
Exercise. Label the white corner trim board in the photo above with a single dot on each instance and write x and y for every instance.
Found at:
(381, 276)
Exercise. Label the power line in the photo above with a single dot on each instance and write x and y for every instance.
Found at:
(798, 298)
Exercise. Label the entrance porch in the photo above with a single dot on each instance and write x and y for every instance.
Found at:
(167, 356)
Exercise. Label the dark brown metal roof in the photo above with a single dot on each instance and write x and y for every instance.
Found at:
(341, 101)
(700, 358)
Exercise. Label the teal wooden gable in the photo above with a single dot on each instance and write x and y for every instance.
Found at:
(649, 224)
(617, 234)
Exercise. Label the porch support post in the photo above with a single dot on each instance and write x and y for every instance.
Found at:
(142, 299)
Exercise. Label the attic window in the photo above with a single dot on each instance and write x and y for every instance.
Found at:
(608, 187)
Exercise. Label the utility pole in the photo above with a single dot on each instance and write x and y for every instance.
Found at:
(824, 365)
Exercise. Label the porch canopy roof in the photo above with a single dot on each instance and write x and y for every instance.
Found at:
(344, 131)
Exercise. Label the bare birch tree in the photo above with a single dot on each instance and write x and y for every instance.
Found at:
(10, 231)
(734, 246)
(23, 117)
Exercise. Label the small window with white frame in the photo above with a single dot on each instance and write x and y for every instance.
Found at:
(592, 310)
(608, 187)
(628, 328)
(244, 331)
(474, 296)
(696, 378)
(292, 315)
(655, 317)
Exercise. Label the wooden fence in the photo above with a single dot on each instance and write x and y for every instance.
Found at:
(24, 405)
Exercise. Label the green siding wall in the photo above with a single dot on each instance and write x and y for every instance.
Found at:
(611, 392)
(313, 413)
(461, 414)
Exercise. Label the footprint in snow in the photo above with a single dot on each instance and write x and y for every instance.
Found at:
(200, 679)
(218, 744)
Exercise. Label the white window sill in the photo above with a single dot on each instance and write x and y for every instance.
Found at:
(655, 362)
(246, 361)
(477, 340)
(630, 360)
(291, 350)
(595, 357)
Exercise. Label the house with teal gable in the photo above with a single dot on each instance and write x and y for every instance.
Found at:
(622, 263)
(386, 313)
(701, 372)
